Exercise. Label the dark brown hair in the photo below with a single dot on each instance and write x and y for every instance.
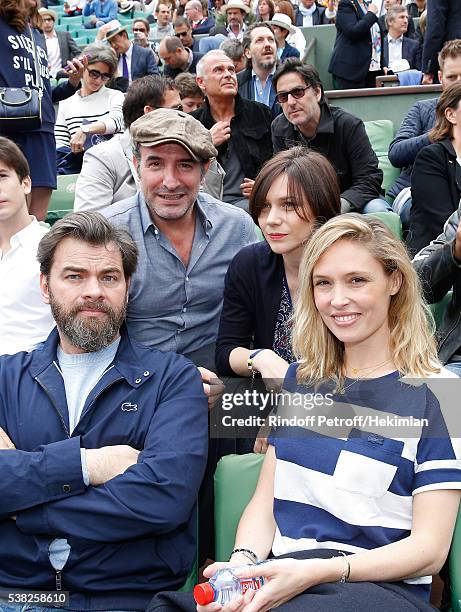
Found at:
(14, 13)
(449, 99)
(307, 72)
(12, 156)
(91, 228)
(311, 183)
(285, 7)
(145, 91)
(271, 8)
(187, 86)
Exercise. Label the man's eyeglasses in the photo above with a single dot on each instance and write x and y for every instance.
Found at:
(140, 30)
(104, 76)
(296, 92)
(181, 34)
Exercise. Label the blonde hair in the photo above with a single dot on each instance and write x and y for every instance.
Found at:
(320, 353)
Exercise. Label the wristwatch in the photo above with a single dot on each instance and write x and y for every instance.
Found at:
(86, 128)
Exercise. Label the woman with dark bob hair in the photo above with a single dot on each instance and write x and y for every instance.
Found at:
(296, 190)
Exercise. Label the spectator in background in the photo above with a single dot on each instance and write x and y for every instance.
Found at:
(200, 23)
(190, 93)
(162, 26)
(396, 46)
(235, 12)
(183, 30)
(255, 82)
(108, 174)
(356, 58)
(308, 120)
(60, 46)
(412, 135)
(233, 48)
(297, 39)
(240, 128)
(25, 320)
(282, 28)
(443, 24)
(436, 176)
(177, 58)
(388, 4)
(307, 13)
(133, 61)
(101, 11)
(141, 32)
(73, 8)
(93, 109)
(265, 10)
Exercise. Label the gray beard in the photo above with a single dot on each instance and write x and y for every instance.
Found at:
(267, 65)
(91, 334)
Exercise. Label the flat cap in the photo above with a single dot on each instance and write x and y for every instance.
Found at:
(169, 125)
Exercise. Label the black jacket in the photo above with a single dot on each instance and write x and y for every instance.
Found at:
(443, 23)
(341, 137)
(440, 272)
(246, 90)
(250, 133)
(435, 190)
(351, 55)
(252, 294)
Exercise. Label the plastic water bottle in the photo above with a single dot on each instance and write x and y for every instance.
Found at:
(225, 586)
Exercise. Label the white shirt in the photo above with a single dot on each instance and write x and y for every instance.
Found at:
(395, 49)
(25, 320)
(54, 53)
(128, 54)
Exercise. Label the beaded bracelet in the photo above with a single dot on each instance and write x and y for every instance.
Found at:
(246, 552)
(347, 568)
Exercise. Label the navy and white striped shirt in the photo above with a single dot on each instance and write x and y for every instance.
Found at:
(351, 489)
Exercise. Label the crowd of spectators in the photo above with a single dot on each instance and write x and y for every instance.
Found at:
(221, 228)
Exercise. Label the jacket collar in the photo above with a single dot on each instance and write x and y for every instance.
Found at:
(326, 124)
(128, 359)
(209, 121)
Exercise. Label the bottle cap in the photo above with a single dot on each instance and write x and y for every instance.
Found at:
(203, 593)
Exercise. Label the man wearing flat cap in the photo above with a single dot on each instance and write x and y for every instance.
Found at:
(186, 238)
(60, 46)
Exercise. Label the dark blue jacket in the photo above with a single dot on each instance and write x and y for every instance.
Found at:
(135, 534)
(142, 62)
(411, 51)
(411, 138)
(318, 17)
(351, 55)
(443, 23)
(289, 51)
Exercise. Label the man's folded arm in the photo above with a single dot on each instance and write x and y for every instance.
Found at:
(153, 496)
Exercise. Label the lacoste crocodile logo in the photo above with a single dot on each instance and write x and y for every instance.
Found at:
(127, 407)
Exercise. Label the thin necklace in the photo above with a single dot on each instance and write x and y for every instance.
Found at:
(354, 370)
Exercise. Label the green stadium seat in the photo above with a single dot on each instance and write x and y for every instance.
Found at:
(234, 483)
(381, 134)
(81, 41)
(91, 35)
(392, 220)
(438, 310)
(62, 199)
(455, 566)
(72, 23)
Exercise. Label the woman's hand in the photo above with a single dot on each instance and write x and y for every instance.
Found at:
(284, 579)
(237, 604)
(77, 141)
(271, 367)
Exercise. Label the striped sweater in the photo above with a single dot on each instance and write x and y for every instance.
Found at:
(104, 105)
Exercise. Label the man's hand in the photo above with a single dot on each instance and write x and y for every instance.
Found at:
(457, 247)
(109, 461)
(220, 132)
(428, 79)
(372, 8)
(246, 187)
(212, 386)
(5, 442)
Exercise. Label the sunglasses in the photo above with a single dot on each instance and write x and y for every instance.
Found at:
(296, 92)
(95, 74)
(181, 34)
(140, 30)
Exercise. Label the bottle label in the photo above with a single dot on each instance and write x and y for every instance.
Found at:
(250, 583)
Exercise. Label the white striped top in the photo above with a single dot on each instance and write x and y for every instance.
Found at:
(349, 485)
(104, 105)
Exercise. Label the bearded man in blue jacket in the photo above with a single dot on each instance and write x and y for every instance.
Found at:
(103, 441)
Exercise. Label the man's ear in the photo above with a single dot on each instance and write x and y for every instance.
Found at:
(44, 288)
(27, 185)
(201, 83)
(247, 53)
